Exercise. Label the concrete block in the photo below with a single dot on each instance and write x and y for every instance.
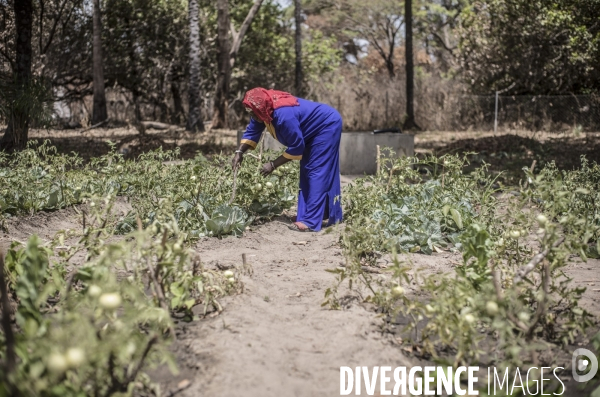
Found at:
(358, 150)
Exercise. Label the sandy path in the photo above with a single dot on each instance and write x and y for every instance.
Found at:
(275, 339)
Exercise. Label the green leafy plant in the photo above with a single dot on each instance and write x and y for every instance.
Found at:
(195, 193)
(83, 330)
(510, 296)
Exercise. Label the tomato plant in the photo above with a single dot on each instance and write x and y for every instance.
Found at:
(510, 293)
(195, 193)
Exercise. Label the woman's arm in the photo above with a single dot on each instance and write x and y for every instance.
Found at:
(268, 168)
(249, 141)
(238, 157)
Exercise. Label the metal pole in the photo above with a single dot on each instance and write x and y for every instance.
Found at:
(496, 115)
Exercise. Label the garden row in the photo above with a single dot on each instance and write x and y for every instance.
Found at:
(509, 301)
(86, 313)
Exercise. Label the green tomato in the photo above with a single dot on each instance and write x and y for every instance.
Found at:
(514, 234)
(523, 316)
(492, 308)
(469, 318)
(110, 301)
(130, 349)
(542, 219)
(269, 185)
(75, 357)
(258, 187)
(57, 363)
(94, 291)
(228, 273)
(397, 291)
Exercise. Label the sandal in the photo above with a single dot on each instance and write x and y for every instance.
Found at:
(295, 228)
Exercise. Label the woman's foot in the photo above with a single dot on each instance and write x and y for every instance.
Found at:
(300, 227)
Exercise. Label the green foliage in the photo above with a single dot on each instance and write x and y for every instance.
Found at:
(85, 331)
(568, 192)
(320, 55)
(414, 217)
(75, 342)
(499, 300)
(160, 188)
(147, 41)
(267, 55)
(32, 99)
(82, 329)
(536, 47)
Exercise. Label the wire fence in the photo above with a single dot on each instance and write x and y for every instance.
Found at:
(441, 105)
(533, 113)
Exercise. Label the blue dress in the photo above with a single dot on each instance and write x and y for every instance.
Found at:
(312, 133)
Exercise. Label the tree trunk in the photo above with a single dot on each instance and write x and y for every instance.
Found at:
(227, 54)
(298, 47)
(409, 123)
(389, 64)
(224, 66)
(15, 137)
(99, 108)
(194, 120)
(178, 113)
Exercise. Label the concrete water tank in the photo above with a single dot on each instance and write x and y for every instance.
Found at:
(358, 150)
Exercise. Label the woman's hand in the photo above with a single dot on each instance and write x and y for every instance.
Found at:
(267, 169)
(236, 162)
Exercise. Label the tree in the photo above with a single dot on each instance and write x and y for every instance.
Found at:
(227, 53)
(377, 21)
(298, 47)
(99, 113)
(194, 120)
(15, 137)
(223, 64)
(435, 23)
(535, 47)
(409, 123)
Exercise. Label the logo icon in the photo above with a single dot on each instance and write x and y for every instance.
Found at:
(580, 364)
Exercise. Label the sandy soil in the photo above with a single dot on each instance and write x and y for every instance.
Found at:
(275, 339)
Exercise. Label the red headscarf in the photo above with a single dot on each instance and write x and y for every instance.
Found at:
(263, 102)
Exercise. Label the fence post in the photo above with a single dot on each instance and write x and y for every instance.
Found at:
(496, 115)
